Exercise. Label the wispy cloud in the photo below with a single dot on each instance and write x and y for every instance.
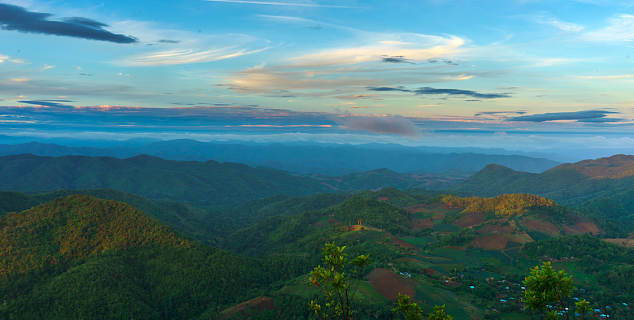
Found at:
(625, 76)
(559, 24)
(15, 18)
(199, 51)
(620, 28)
(450, 92)
(271, 3)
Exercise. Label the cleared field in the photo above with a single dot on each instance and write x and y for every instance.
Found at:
(495, 228)
(435, 296)
(629, 243)
(586, 225)
(389, 284)
(501, 256)
(492, 241)
(418, 224)
(470, 220)
(570, 230)
(260, 304)
(540, 226)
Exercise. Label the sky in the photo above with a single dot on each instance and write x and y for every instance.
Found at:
(515, 74)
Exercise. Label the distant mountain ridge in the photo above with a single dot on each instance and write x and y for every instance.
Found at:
(326, 160)
(203, 184)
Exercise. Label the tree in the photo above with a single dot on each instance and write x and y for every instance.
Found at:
(413, 312)
(335, 283)
(547, 292)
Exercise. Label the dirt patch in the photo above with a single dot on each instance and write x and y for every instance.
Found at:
(261, 304)
(586, 225)
(629, 243)
(406, 260)
(389, 284)
(332, 220)
(495, 241)
(495, 228)
(452, 284)
(416, 208)
(470, 220)
(541, 226)
(418, 224)
(439, 216)
(382, 199)
(402, 243)
(570, 230)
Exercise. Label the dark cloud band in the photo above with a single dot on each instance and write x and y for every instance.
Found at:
(591, 116)
(14, 18)
(451, 92)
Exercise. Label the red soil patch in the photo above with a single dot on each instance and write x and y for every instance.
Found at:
(495, 228)
(438, 216)
(428, 271)
(495, 241)
(261, 303)
(416, 208)
(570, 230)
(332, 220)
(382, 199)
(586, 225)
(389, 284)
(418, 224)
(541, 226)
(406, 260)
(452, 284)
(402, 243)
(629, 243)
(470, 220)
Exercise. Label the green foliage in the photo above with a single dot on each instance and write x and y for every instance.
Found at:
(621, 279)
(338, 287)
(204, 184)
(412, 311)
(545, 287)
(506, 205)
(460, 238)
(579, 246)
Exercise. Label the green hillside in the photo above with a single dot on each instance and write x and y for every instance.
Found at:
(203, 184)
(80, 257)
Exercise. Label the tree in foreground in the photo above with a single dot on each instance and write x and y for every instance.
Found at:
(547, 292)
(341, 288)
(413, 312)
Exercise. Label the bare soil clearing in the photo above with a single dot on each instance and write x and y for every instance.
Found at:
(261, 303)
(390, 284)
(471, 220)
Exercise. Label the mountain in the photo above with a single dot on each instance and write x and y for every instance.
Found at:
(204, 184)
(304, 159)
(82, 257)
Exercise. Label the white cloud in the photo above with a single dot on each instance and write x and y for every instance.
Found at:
(561, 25)
(620, 28)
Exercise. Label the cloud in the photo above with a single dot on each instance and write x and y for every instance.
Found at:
(621, 28)
(625, 76)
(385, 124)
(360, 107)
(459, 92)
(48, 103)
(14, 18)
(198, 51)
(433, 91)
(590, 116)
(359, 96)
(561, 25)
(394, 59)
(169, 41)
(270, 3)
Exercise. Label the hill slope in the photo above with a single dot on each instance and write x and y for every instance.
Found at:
(81, 257)
(204, 184)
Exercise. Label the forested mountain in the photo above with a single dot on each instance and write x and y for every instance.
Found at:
(604, 184)
(203, 184)
(79, 257)
(312, 159)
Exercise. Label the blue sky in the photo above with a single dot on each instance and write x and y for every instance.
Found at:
(522, 74)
